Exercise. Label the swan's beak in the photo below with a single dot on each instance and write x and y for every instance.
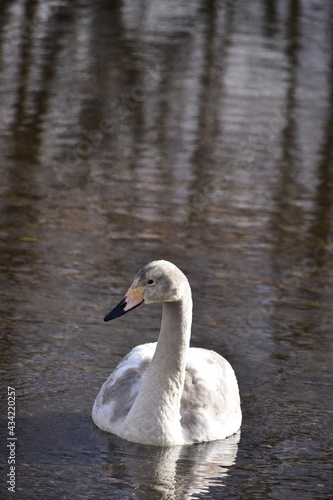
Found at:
(132, 299)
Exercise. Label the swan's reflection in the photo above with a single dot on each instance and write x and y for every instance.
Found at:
(177, 472)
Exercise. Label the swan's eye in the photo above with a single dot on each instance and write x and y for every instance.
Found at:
(150, 282)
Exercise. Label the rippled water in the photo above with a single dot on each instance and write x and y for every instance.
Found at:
(198, 132)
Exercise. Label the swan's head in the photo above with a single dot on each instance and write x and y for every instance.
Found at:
(158, 281)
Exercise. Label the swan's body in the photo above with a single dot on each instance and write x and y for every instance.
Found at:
(167, 393)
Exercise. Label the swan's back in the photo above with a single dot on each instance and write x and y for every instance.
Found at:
(118, 393)
(210, 406)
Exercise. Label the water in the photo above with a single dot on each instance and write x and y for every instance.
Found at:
(198, 132)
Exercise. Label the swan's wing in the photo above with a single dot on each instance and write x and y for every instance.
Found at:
(210, 404)
(118, 393)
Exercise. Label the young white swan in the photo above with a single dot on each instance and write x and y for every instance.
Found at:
(166, 393)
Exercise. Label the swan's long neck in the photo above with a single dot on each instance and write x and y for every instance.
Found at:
(174, 338)
(156, 410)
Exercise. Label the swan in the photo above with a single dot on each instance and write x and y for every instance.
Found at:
(168, 393)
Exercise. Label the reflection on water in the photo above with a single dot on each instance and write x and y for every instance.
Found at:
(176, 472)
(200, 132)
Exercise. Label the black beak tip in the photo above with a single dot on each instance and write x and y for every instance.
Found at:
(116, 311)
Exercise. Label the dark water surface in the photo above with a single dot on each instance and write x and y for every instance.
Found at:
(199, 132)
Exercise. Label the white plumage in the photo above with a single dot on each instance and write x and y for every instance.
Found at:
(167, 393)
